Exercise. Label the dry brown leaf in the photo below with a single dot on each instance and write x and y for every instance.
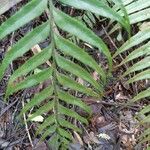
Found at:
(144, 25)
(120, 96)
(79, 80)
(41, 146)
(98, 121)
(95, 76)
(91, 138)
(77, 138)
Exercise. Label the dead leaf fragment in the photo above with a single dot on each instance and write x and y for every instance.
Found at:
(95, 76)
(77, 138)
(91, 138)
(144, 26)
(120, 96)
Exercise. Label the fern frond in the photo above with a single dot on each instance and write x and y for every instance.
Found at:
(133, 41)
(137, 11)
(73, 100)
(52, 101)
(76, 28)
(38, 98)
(143, 69)
(23, 16)
(29, 81)
(97, 7)
(70, 83)
(73, 50)
(37, 35)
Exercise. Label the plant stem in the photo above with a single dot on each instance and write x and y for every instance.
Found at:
(54, 65)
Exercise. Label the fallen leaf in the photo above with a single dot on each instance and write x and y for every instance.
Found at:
(104, 136)
(37, 118)
(120, 96)
(144, 25)
(77, 138)
(91, 138)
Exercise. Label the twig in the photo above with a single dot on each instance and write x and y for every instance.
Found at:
(26, 126)
(112, 42)
(8, 107)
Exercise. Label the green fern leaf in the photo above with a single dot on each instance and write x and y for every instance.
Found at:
(71, 113)
(48, 122)
(29, 81)
(135, 40)
(6, 5)
(38, 98)
(32, 63)
(69, 125)
(49, 131)
(76, 70)
(65, 81)
(137, 11)
(64, 133)
(72, 50)
(97, 7)
(144, 63)
(37, 35)
(143, 50)
(23, 16)
(141, 95)
(49, 102)
(44, 109)
(81, 31)
(73, 100)
(140, 76)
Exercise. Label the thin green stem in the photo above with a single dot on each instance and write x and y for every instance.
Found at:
(54, 65)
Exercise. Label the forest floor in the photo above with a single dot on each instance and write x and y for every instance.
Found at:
(111, 125)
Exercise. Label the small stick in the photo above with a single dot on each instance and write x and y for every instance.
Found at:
(112, 42)
(26, 126)
(8, 107)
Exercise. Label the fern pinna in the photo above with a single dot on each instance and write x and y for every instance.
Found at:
(63, 71)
